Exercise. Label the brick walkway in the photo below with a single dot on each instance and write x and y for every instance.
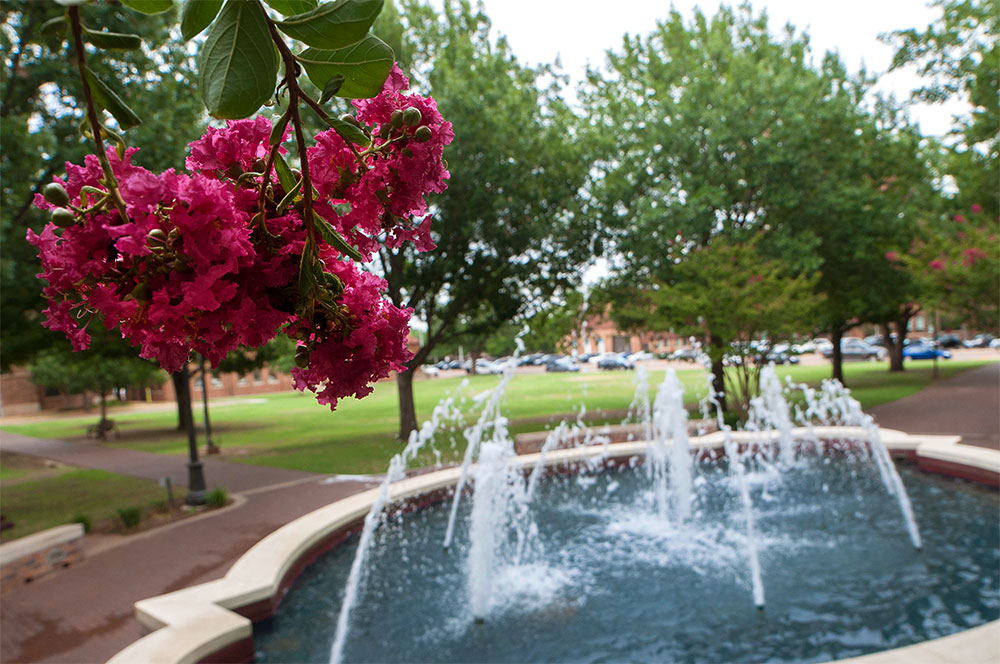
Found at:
(84, 613)
(967, 405)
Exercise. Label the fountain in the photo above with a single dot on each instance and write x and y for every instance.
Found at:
(660, 549)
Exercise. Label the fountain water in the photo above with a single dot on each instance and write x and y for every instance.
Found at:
(504, 533)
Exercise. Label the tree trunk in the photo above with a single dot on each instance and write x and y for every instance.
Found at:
(718, 371)
(407, 410)
(102, 426)
(894, 344)
(836, 334)
(182, 389)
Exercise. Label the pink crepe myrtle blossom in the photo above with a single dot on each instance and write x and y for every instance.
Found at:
(936, 265)
(976, 208)
(195, 267)
(386, 193)
(970, 256)
(892, 256)
(959, 219)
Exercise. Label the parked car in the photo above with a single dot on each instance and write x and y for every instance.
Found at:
(485, 367)
(562, 364)
(979, 341)
(776, 356)
(614, 361)
(949, 341)
(822, 346)
(852, 348)
(641, 355)
(805, 347)
(924, 352)
(685, 354)
(430, 370)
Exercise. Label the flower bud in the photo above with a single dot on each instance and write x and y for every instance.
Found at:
(407, 152)
(259, 166)
(350, 119)
(157, 236)
(396, 119)
(423, 134)
(55, 193)
(140, 293)
(63, 218)
(234, 171)
(302, 357)
(412, 117)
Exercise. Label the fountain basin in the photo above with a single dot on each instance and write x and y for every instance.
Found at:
(213, 620)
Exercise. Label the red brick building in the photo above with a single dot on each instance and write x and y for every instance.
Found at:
(600, 335)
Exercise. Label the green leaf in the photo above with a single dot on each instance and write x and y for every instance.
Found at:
(53, 32)
(333, 25)
(115, 41)
(198, 15)
(364, 67)
(289, 198)
(278, 130)
(149, 6)
(336, 240)
(348, 131)
(285, 175)
(331, 88)
(109, 100)
(238, 64)
(292, 7)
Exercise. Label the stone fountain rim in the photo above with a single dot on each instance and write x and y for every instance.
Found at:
(202, 621)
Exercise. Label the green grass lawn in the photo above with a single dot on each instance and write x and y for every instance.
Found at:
(290, 430)
(35, 505)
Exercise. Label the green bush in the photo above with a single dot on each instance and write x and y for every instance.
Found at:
(129, 517)
(83, 519)
(217, 497)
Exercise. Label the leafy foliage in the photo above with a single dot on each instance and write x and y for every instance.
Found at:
(40, 112)
(729, 293)
(512, 235)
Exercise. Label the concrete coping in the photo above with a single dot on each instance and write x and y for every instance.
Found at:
(32, 544)
(193, 623)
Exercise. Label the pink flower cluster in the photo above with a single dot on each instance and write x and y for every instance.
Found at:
(190, 269)
(972, 255)
(397, 176)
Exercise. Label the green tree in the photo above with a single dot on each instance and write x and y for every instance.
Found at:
(958, 57)
(733, 297)
(716, 127)
(509, 235)
(110, 363)
(40, 113)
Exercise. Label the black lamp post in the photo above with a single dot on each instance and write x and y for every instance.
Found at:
(210, 446)
(196, 477)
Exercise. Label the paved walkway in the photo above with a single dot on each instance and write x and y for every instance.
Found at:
(84, 613)
(234, 477)
(967, 405)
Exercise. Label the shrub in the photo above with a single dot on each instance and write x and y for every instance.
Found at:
(83, 519)
(217, 497)
(129, 517)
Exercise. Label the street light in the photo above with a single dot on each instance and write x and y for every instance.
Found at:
(196, 478)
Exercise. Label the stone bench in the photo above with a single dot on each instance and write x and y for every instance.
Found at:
(28, 558)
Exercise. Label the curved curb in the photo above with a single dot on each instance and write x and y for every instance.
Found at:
(213, 620)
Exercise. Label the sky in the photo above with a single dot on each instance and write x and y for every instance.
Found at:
(580, 31)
